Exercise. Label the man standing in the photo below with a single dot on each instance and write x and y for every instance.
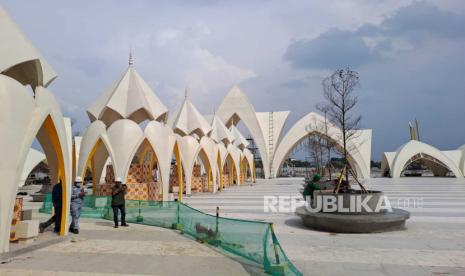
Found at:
(118, 202)
(57, 197)
(77, 197)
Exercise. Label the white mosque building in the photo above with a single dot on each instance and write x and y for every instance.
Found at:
(160, 154)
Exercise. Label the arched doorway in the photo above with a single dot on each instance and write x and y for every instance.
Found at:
(96, 161)
(359, 146)
(143, 177)
(24, 119)
(318, 157)
(419, 154)
(229, 172)
(50, 142)
(422, 164)
(202, 172)
(246, 170)
(177, 177)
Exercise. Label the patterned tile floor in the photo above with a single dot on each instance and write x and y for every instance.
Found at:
(432, 244)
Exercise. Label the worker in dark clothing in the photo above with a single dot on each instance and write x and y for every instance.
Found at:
(311, 186)
(57, 197)
(118, 202)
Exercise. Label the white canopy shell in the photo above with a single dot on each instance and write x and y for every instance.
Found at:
(19, 58)
(189, 121)
(239, 139)
(129, 98)
(220, 133)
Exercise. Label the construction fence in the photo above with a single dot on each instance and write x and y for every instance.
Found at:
(252, 240)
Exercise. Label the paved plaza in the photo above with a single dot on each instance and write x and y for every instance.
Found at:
(433, 244)
(137, 250)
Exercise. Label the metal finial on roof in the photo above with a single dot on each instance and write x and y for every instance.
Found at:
(131, 60)
(185, 93)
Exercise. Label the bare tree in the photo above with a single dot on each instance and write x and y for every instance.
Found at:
(338, 91)
(329, 144)
(316, 144)
(314, 148)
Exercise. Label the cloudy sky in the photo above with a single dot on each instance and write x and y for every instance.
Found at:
(410, 56)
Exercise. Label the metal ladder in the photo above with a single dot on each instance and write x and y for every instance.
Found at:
(271, 140)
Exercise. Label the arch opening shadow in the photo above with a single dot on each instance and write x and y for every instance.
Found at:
(335, 144)
(48, 138)
(96, 162)
(229, 168)
(420, 161)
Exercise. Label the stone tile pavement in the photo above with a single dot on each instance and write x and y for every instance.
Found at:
(432, 244)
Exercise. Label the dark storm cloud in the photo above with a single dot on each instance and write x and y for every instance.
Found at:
(422, 20)
(411, 66)
(413, 24)
(331, 49)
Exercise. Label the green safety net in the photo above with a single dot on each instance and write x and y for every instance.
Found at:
(252, 240)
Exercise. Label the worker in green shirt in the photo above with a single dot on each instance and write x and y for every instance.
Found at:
(311, 186)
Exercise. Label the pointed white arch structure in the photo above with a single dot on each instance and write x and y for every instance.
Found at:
(25, 117)
(266, 129)
(440, 162)
(94, 150)
(313, 123)
(462, 158)
(193, 128)
(189, 148)
(272, 124)
(124, 136)
(162, 140)
(33, 159)
(211, 150)
(236, 157)
(250, 162)
(236, 107)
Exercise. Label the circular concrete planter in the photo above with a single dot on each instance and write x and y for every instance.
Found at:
(358, 221)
